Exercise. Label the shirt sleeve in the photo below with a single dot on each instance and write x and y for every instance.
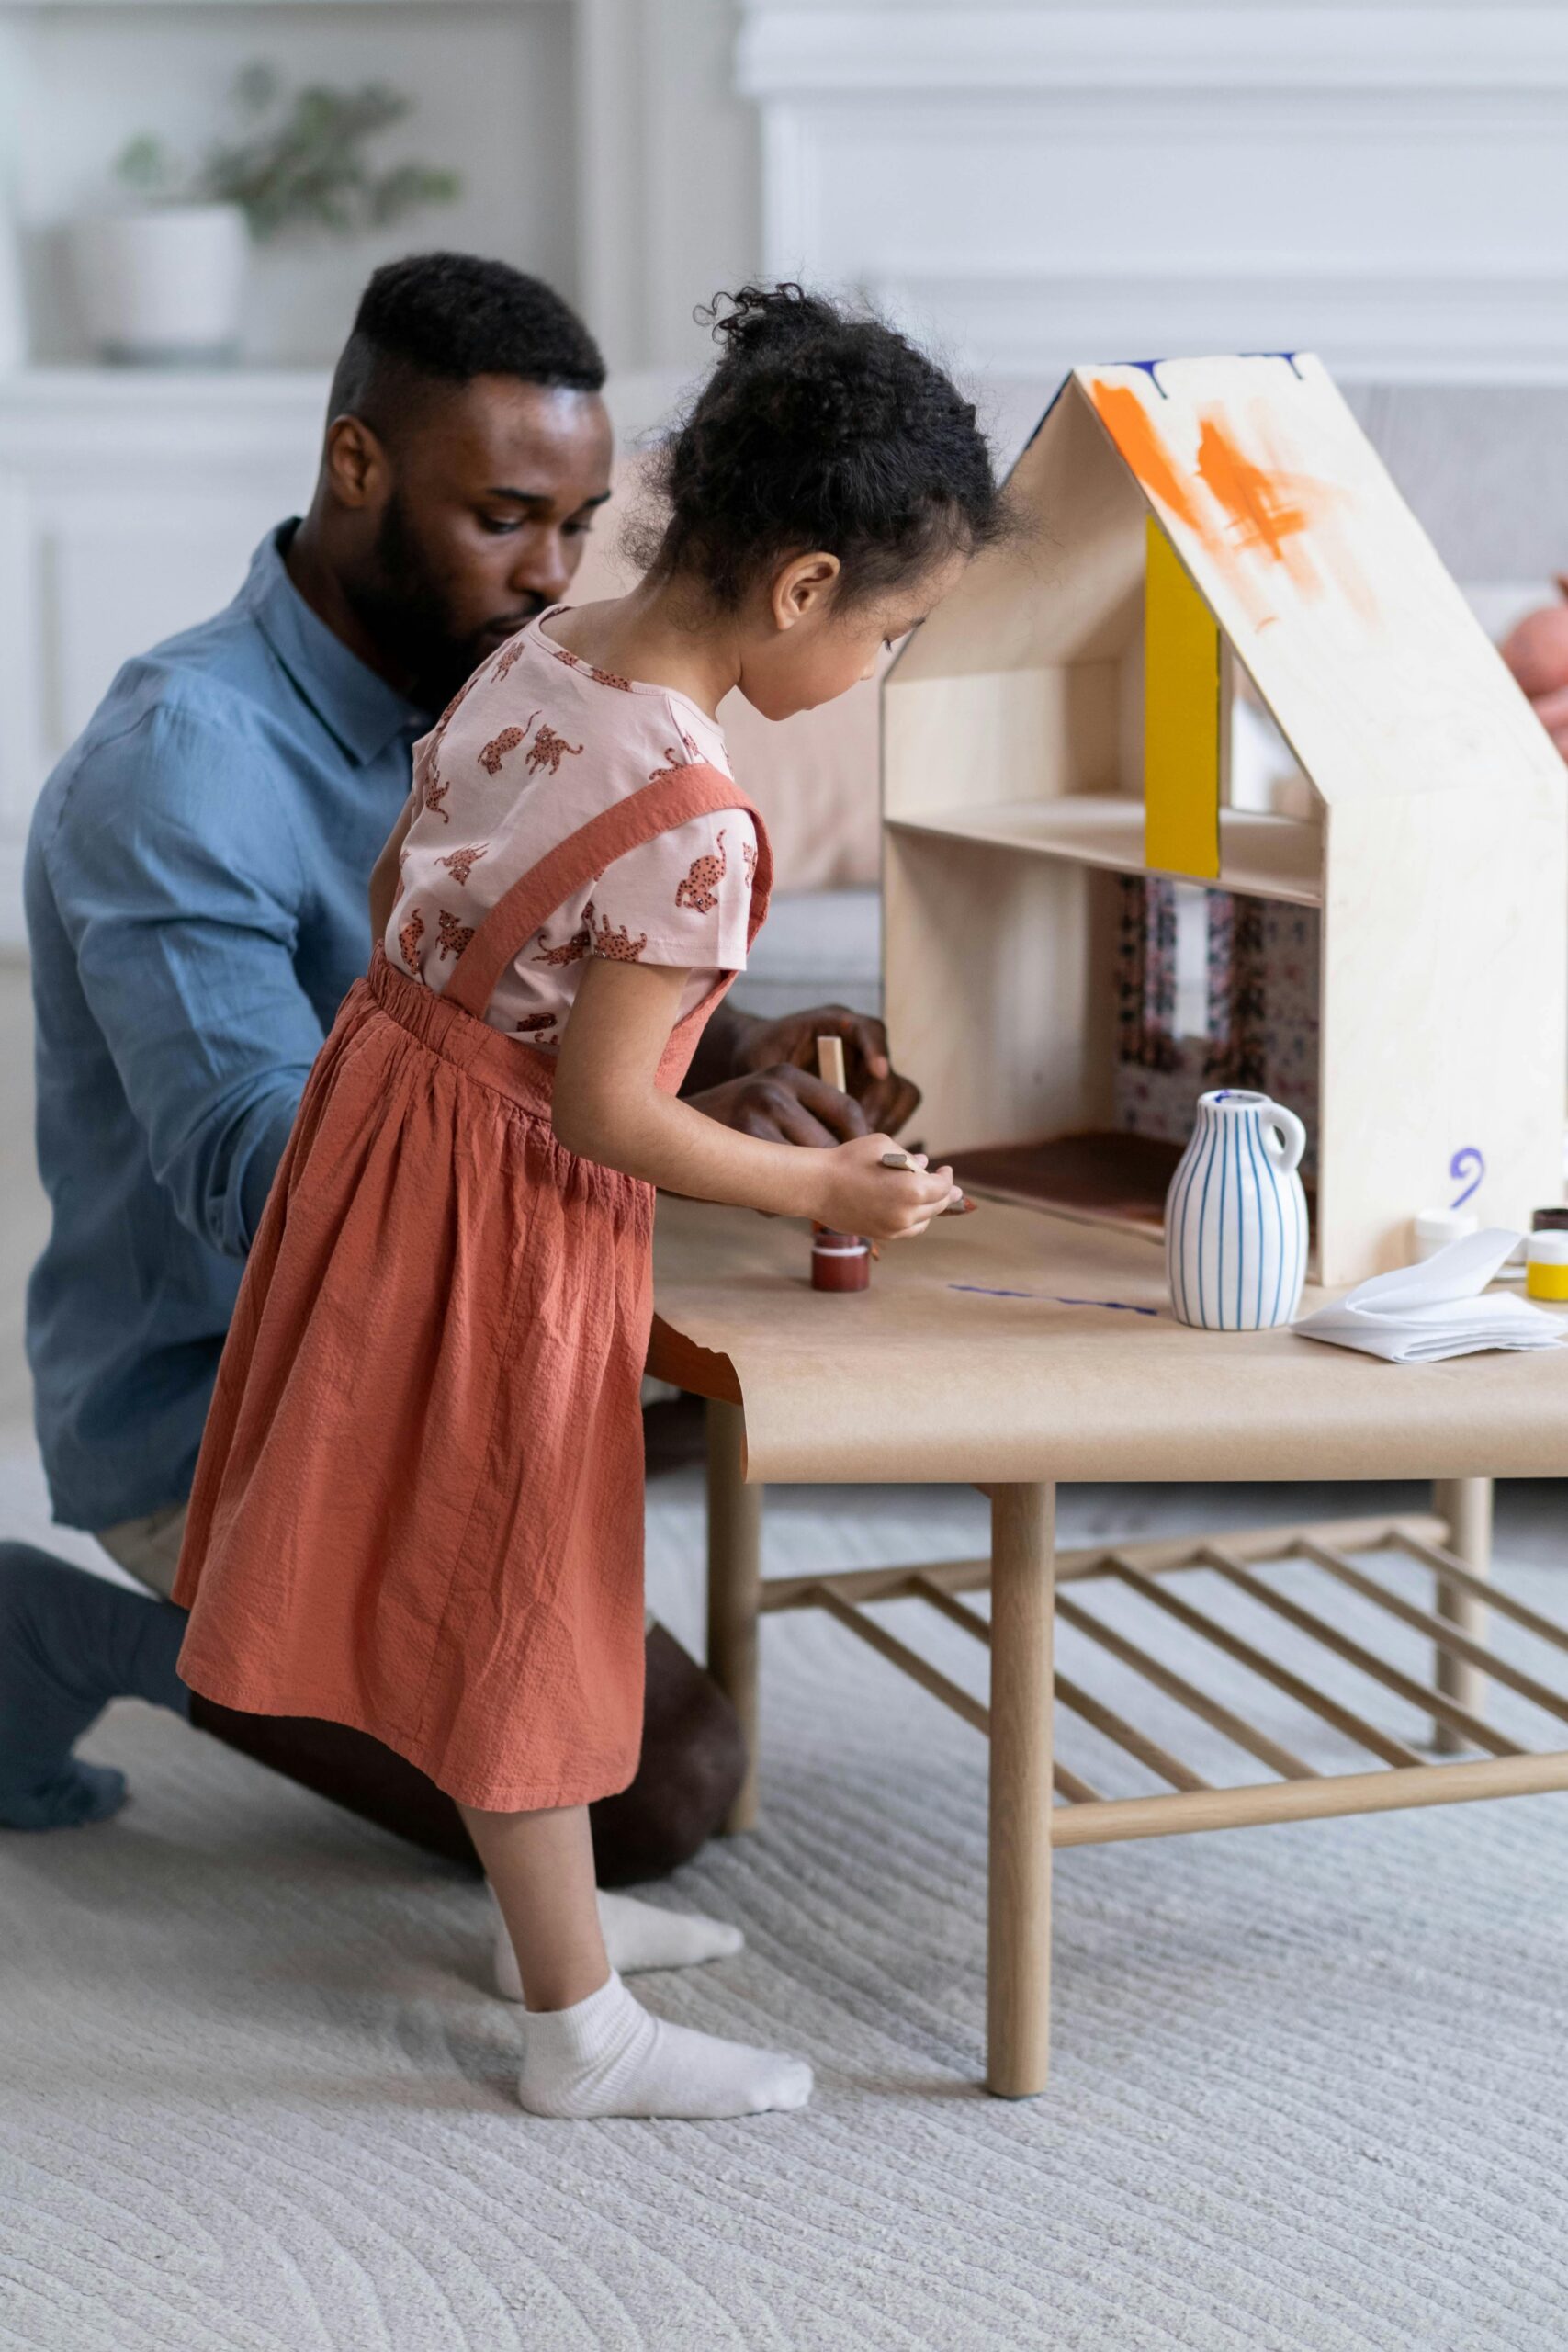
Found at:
(179, 885)
(683, 898)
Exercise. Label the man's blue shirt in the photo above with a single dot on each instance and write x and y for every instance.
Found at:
(196, 880)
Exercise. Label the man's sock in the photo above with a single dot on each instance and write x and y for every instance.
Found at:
(70, 1642)
(608, 2055)
(636, 1935)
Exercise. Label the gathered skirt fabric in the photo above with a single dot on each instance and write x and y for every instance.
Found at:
(418, 1508)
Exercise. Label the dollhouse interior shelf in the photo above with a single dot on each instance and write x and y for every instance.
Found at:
(1272, 857)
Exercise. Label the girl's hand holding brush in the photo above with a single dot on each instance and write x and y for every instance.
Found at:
(860, 1192)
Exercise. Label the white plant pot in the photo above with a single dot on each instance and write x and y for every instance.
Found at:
(163, 288)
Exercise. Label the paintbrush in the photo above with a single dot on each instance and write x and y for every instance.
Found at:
(962, 1207)
(831, 1067)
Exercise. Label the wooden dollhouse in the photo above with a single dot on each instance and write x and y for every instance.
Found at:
(1208, 775)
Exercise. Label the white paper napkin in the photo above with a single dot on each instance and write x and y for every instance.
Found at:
(1421, 1314)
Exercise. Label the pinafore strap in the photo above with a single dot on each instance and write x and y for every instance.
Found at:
(673, 797)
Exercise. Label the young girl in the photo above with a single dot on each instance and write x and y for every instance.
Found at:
(419, 1503)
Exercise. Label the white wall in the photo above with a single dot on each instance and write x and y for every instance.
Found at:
(601, 143)
(1039, 183)
(1031, 182)
(490, 84)
(669, 174)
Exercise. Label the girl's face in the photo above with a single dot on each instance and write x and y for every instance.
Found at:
(798, 651)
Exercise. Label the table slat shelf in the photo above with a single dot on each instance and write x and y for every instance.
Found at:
(1083, 1816)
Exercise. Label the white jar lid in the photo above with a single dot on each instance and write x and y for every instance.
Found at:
(1437, 1225)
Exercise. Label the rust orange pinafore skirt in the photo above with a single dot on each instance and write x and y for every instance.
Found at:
(418, 1508)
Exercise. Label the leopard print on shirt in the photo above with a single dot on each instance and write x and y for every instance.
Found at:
(699, 890)
(618, 946)
(495, 751)
(460, 862)
(452, 936)
(576, 662)
(579, 944)
(547, 750)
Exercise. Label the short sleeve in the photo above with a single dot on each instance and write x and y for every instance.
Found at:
(683, 898)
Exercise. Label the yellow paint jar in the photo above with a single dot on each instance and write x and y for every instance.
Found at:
(1546, 1268)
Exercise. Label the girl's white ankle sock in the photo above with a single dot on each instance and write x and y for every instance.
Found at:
(608, 2055)
(636, 1935)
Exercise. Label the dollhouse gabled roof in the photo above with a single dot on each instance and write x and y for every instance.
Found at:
(1329, 592)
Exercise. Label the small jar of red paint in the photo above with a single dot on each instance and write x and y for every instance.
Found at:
(839, 1261)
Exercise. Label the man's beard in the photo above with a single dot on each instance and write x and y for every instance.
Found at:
(404, 604)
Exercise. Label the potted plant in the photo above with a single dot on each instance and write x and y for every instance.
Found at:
(160, 279)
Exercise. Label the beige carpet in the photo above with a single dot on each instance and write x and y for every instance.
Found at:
(1311, 2084)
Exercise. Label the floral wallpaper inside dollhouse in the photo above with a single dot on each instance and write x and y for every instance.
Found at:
(1211, 989)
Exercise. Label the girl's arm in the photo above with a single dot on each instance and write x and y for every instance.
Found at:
(607, 1107)
(384, 873)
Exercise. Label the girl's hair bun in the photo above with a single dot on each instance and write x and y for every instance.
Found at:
(807, 379)
(821, 427)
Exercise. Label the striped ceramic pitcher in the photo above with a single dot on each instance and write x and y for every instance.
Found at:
(1236, 1217)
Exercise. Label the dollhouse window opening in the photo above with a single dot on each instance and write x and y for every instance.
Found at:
(1264, 776)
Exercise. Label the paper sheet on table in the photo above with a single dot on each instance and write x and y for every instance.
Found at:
(1421, 1314)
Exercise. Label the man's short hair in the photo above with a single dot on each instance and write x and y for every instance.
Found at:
(445, 318)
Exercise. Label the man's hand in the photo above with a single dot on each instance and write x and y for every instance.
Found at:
(783, 1105)
(886, 1099)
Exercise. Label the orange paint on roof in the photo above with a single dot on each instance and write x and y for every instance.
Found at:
(1240, 506)
(1128, 421)
(1264, 511)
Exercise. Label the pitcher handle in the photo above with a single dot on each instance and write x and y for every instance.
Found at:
(1284, 1137)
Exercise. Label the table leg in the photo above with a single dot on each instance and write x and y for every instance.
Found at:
(1466, 1504)
(1017, 1992)
(734, 1585)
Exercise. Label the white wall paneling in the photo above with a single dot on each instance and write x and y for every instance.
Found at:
(667, 174)
(1388, 186)
(128, 507)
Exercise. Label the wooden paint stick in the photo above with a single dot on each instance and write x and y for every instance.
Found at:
(963, 1206)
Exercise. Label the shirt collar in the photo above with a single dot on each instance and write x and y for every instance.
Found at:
(361, 710)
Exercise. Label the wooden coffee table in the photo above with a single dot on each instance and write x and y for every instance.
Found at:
(1012, 1349)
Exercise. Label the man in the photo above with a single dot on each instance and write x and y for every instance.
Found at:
(195, 892)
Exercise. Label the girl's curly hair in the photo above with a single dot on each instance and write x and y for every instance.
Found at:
(818, 427)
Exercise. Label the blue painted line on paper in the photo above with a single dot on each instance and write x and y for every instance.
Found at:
(1112, 1306)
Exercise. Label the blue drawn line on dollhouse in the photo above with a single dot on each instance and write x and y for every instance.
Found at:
(1460, 1167)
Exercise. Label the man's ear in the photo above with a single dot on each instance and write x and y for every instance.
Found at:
(356, 463)
(802, 587)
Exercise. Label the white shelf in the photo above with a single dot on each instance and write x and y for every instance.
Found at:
(1268, 857)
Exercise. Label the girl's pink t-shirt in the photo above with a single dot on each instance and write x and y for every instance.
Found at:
(538, 742)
